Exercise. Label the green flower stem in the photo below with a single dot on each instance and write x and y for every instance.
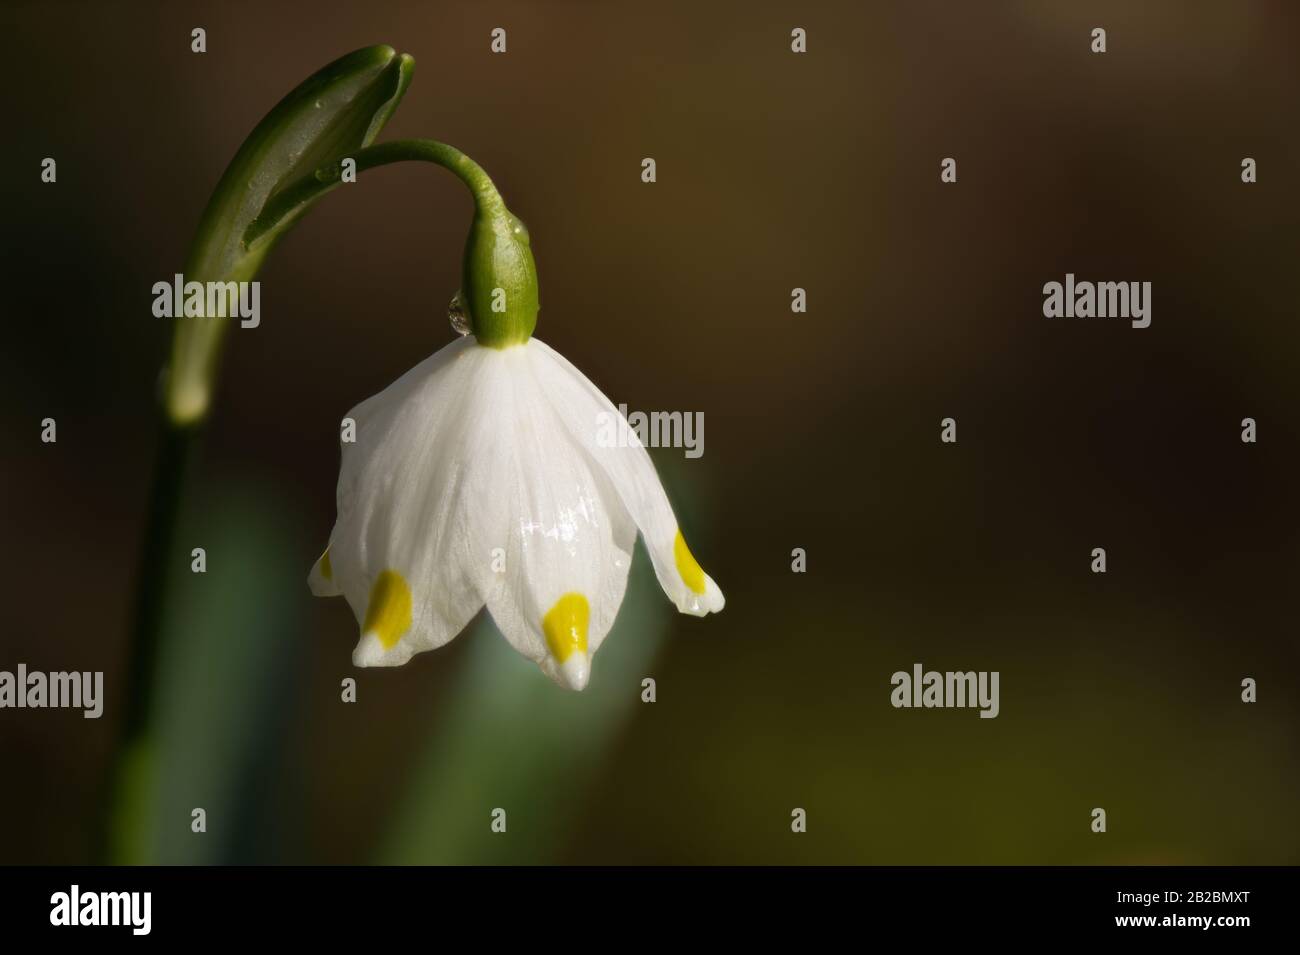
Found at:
(127, 810)
(499, 278)
(328, 177)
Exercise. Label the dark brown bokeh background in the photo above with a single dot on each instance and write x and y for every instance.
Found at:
(822, 430)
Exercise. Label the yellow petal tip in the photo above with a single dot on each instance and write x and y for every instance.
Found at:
(691, 572)
(388, 615)
(565, 627)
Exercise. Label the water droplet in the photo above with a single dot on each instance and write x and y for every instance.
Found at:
(457, 315)
(317, 104)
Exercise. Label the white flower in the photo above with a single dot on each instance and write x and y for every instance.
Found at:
(477, 478)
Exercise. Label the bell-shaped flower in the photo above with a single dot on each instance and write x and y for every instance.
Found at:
(480, 477)
(484, 476)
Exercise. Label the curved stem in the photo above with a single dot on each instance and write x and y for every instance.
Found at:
(498, 274)
(294, 197)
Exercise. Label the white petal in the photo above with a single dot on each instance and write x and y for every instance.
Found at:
(321, 580)
(590, 417)
(566, 537)
(402, 550)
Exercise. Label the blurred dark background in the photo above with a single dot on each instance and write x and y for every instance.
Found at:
(775, 170)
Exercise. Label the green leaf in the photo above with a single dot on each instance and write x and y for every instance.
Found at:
(339, 109)
(226, 675)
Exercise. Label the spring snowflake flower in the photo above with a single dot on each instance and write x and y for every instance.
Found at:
(477, 478)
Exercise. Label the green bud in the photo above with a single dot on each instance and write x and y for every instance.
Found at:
(499, 276)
